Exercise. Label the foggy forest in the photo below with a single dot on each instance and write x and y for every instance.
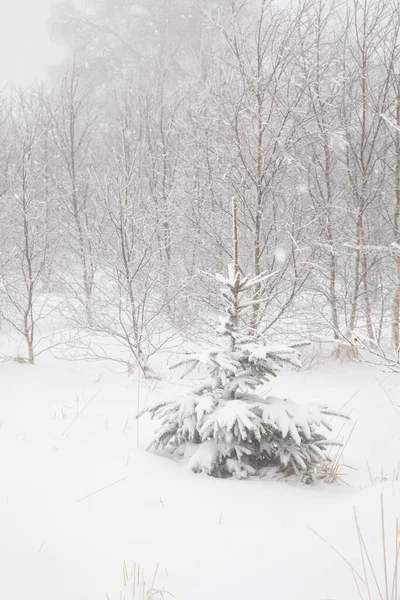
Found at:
(199, 195)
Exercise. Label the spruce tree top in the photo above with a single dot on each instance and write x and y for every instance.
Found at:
(244, 359)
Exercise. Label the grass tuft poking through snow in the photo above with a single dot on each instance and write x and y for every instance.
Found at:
(379, 576)
(137, 588)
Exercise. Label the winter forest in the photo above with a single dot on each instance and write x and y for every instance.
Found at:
(200, 304)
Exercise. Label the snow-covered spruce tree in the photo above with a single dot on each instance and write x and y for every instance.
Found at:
(224, 425)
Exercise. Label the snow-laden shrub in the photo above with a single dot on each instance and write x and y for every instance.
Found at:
(242, 436)
(224, 426)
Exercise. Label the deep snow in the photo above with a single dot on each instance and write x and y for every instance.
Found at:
(214, 539)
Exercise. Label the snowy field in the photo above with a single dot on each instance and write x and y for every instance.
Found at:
(81, 501)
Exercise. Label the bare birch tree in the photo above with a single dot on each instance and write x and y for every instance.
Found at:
(74, 121)
(27, 228)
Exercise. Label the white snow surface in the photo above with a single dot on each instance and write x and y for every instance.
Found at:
(68, 430)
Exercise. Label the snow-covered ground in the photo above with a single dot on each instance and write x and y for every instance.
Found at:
(79, 499)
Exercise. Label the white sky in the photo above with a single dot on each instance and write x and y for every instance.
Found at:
(25, 47)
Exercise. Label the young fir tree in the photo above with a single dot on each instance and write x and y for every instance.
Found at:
(226, 427)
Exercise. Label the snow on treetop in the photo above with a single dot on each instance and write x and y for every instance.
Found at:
(242, 282)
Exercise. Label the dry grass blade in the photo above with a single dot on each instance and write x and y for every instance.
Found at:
(81, 411)
(365, 550)
(384, 548)
(357, 585)
(393, 594)
(136, 588)
(388, 395)
(370, 473)
(333, 467)
(363, 563)
(355, 572)
(154, 577)
(368, 585)
(101, 489)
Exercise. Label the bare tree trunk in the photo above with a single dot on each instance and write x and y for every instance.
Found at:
(396, 299)
(361, 263)
(332, 283)
(74, 125)
(322, 125)
(28, 320)
(235, 243)
(258, 215)
(260, 173)
(86, 275)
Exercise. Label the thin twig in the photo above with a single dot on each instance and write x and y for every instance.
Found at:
(81, 411)
(101, 489)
